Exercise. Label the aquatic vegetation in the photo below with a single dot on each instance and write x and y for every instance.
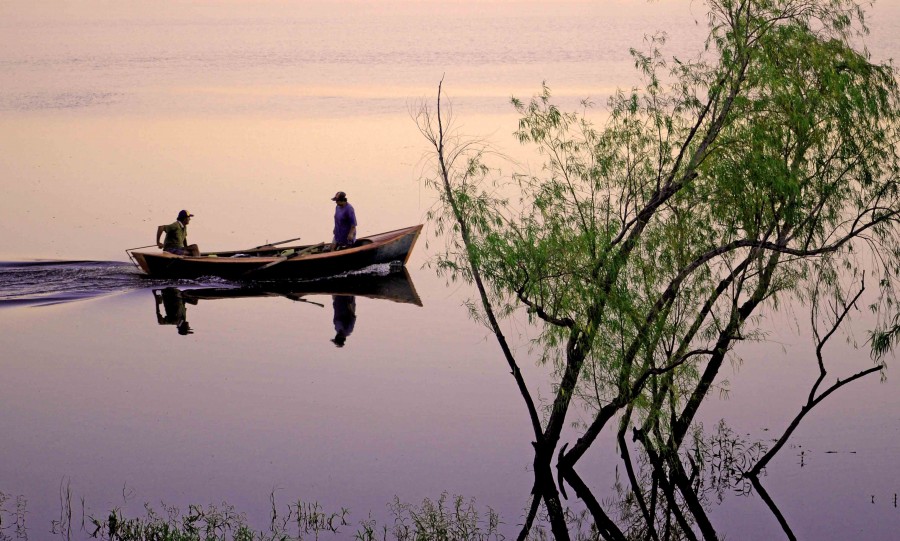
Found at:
(446, 518)
(12, 517)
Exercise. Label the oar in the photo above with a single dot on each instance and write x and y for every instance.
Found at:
(272, 244)
(282, 259)
(140, 247)
(129, 250)
(300, 299)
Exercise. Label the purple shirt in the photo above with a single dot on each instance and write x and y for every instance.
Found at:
(344, 219)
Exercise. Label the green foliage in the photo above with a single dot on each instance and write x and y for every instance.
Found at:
(761, 167)
(657, 235)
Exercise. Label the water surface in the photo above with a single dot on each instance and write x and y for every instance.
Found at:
(114, 116)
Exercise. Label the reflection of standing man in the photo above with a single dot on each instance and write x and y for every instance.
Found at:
(344, 222)
(176, 312)
(344, 317)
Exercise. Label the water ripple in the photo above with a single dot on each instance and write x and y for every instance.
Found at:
(38, 283)
(45, 283)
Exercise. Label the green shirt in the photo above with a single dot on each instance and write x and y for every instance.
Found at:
(176, 235)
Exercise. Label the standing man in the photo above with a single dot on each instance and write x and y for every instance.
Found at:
(344, 222)
(176, 236)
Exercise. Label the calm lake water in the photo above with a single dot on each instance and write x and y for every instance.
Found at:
(113, 116)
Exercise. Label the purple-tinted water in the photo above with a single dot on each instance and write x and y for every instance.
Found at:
(114, 116)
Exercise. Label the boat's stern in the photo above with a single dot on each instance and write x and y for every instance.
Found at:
(140, 261)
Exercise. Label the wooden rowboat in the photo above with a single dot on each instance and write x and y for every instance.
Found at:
(282, 263)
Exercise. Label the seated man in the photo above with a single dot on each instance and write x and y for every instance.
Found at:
(176, 236)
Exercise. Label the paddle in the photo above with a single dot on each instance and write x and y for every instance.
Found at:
(271, 244)
(139, 247)
(300, 299)
(282, 259)
(129, 250)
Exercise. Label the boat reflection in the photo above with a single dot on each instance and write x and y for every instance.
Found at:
(171, 302)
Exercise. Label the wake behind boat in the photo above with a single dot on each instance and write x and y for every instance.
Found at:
(282, 263)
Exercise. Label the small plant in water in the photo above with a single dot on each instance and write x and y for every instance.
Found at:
(443, 520)
(447, 518)
(199, 523)
(12, 517)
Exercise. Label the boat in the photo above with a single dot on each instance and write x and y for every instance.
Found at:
(269, 262)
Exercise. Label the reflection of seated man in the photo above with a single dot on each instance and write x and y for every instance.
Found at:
(176, 312)
(344, 317)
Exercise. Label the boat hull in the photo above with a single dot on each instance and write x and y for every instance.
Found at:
(259, 265)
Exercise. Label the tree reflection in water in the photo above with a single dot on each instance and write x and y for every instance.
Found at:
(673, 480)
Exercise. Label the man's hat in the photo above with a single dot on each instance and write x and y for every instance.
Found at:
(184, 214)
(340, 196)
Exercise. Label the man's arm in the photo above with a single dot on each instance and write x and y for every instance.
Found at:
(351, 234)
(159, 232)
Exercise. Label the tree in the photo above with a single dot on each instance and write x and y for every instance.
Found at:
(759, 173)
